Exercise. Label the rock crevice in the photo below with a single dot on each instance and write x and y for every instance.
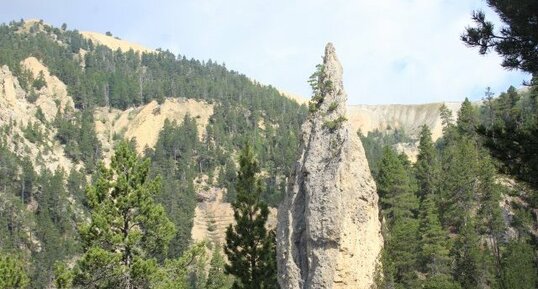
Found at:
(328, 225)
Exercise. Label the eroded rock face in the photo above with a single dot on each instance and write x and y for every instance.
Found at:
(328, 226)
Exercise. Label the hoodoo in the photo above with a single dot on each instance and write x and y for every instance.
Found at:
(329, 233)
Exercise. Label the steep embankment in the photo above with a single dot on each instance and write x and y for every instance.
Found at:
(145, 122)
(141, 123)
(25, 114)
(409, 117)
(114, 43)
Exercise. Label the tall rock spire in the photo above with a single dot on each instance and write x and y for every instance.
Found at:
(329, 234)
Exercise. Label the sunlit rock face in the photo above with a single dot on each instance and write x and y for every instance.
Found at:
(329, 233)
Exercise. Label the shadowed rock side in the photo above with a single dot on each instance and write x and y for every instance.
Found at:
(329, 234)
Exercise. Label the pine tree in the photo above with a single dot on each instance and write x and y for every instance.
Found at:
(178, 273)
(472, 264)
(491, 222)
(395, 187)
(449, 128)
(434, 243)
(460, 180)
(401, 245)
(250, 248)
(399, 204)
(446, 116)
(127, 228)
(28, 179)
(519, 266)
(426, 167)
(467, 122)
(76, 182)
(516, 41)
(174, 160)
(216, 277)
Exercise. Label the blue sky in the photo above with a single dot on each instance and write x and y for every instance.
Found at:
(392, 51)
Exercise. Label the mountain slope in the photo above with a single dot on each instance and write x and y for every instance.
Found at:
(23, 119)
(65, 101)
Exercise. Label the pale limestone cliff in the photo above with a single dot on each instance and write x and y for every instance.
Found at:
(115, 43)
(144, 123)
(383, 117)
(17, 113)
(409, 117)
(329, 233)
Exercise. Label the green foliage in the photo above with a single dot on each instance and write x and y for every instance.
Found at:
(40, 115)
(32, 96)
(374, 143)
(449, 128)
(39, 82)
(515, 41)
(321, 86)
(460, 166)
(396, 187)
(77, 132)
(17, 181)
(33, 133)
(472, 264)
(434, 243)
(316, 82)
(127, 228)
(467, 122)
(399, 204)
(458, 185)
(12, 272)
(216, 277)
(250, 248)
(76, 184)
(122, 80)
(177, 273)
(509, 129)
(334, 124)
(440, 282)
(519, 266)
(63, 276)
(427, 165)
(332, 107)
(28, 180)
(25, 77)
(175, 159)
(55, 226)
(401, 244)
(125, 79)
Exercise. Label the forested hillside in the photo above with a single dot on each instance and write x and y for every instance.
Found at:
(40, 209)
(451, 220)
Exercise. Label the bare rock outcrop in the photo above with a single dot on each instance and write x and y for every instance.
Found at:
(329, 233)
(17, 113)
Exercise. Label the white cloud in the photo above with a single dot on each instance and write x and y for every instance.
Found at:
(393, 51)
